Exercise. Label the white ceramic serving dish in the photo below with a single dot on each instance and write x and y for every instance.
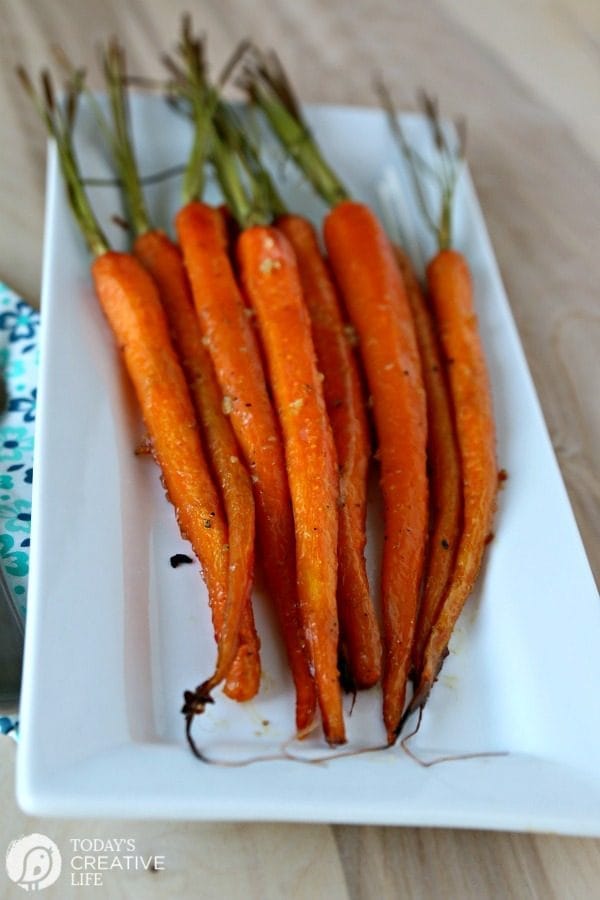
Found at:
(114, 634)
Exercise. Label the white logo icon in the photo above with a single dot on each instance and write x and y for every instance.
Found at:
(33, 862)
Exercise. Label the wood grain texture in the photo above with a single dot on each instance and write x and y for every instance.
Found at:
(527, 76)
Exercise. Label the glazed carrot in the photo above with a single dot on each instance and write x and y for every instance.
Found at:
(345, 407)
(366, 271)
(232, 345)
(131, 304)
(373, 292)
(451, 292)
(443, 462)
(237, 641)
(272, 286)
(270, 278)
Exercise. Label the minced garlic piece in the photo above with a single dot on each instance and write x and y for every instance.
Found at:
(269, 265)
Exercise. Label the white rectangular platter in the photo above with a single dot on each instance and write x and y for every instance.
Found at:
(114, 634)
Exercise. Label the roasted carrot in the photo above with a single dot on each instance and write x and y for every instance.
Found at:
(232, 345)
(373, 292)
(345, 406)
(270, 278)
(272, 286)
(238, 659)
(451, 292)
(235, 354)
(443, 463)
(131, 304)
(366, 271)
(237, 641)
(132, 307)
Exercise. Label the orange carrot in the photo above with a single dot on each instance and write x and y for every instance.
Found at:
(130, 301)
(366, 271)
(451, 292)
(232, 345)
(270, 278)
(234, 623)
(238, 656)
(443, 463)
(131, 304)
(345, 407)
(372, 289)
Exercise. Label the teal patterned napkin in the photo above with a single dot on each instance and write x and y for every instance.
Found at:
(19, 326)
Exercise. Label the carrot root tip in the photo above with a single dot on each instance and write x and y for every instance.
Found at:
(195, 701)
(194, 704)
(422, 690)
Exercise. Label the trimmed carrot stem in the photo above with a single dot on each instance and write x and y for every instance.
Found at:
(233, 349)
(366, 271)
(345, 406)
(451, 292)
(270, 278)
(443, 462)
(237, 641)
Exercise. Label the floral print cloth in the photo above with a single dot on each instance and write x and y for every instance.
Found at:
(19, 325)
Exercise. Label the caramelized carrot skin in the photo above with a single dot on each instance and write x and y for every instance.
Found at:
(346, 411)
(270, 278)
(443, 462)
(130, 301)
(162, 258)
(372, 289)
(233, 349)
(451, 292)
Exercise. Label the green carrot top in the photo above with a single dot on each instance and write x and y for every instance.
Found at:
(219, 136)
(59, 121)
(268, 86)
(450, 158)
(121, 143)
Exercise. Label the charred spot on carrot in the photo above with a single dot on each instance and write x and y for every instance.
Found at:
(180, 559)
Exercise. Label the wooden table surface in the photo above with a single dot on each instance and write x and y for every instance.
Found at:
(527, 75)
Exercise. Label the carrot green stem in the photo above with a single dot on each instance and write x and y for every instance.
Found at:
(441, 227)
(269, 88)
(193, 177)
(219, 138)
(121, 141)
(444, 231)
(59, 124)
(247, 203)
(190, 85)
(237, 134)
